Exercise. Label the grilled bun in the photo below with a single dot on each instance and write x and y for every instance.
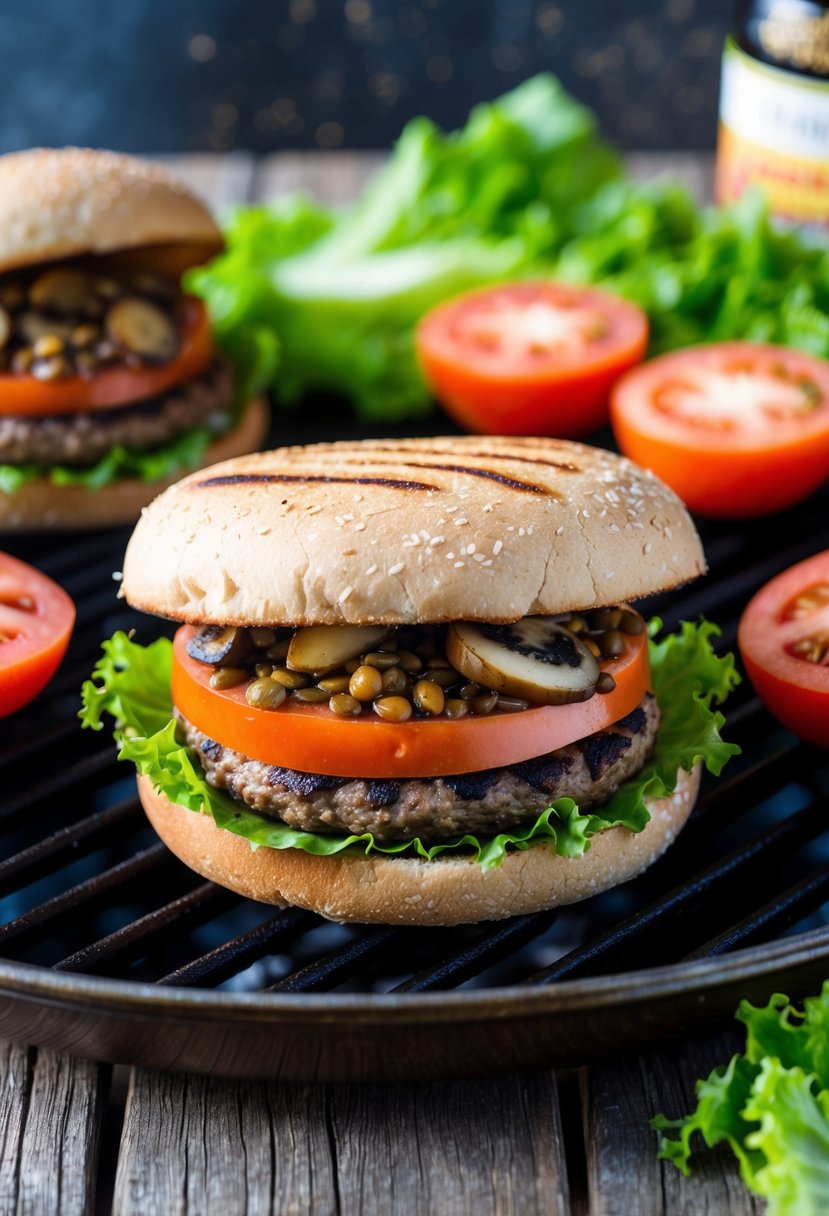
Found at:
(409, 531)
(42, 504)
(411, 891)
(61, 202)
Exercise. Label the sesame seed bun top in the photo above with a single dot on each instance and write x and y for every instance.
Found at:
(62, 202)
(406, 531)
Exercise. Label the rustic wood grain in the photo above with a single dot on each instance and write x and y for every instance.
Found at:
(199, 1145)
(222, 180)
(51, 1111)
(194, 1145)
(624, 1176)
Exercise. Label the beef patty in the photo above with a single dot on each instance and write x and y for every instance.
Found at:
(435, 808)
(79, 439)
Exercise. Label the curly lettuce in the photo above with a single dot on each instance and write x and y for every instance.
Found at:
(131, 685)
(770, 1104)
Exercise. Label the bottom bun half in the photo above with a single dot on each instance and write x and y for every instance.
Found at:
(42, 505)
(410, 891)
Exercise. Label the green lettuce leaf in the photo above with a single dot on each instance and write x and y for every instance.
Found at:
(526, 187)
(131, 684)
(771, 1105)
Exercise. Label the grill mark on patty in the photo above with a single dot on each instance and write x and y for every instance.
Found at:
(236, 479)
(302, 784)
(543, 772)
(470, 787)
(604, 749)
(634, 722)
(381, 792)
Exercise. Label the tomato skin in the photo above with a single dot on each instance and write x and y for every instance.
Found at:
(728, 475)
(793, 689)
(562, 393)
(310, 738)
(23, 395)
(40, 635)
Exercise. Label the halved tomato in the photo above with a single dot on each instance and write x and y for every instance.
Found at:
(312, 739)
(21, 394)
(36, 620)
(736, 429)
(533, 358)
(784, 640)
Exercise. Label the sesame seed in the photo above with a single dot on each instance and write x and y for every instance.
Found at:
(360, 527)
(479, 557)
(372, 569)
(488, 506)
(348, 517)
(424, 535)
(117, 575)
(560, 529)
(344, 594)
(497, 547)
(396, 568)
(358, 498)
(314, 510)
(522, 531)
(450, 557)
(461, 520)
(647, 548)
(263, 530)
(470, 548)
(458, 565)
(488, 561)
(415, 539)
(340, 520)
(437, 540)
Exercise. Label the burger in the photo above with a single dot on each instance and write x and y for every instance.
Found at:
(408, 685)
(110, 385)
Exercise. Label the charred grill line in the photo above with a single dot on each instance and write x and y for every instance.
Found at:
(303, 479)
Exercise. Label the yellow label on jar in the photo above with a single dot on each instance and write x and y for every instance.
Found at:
(774, 134)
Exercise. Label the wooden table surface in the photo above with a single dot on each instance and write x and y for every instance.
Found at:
(81, 1137)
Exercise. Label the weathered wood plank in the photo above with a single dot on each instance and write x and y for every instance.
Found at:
(624, 1176)
(51, 1112)
(333, 177)
(221, 179)
(193, 1144)
(465, 1148)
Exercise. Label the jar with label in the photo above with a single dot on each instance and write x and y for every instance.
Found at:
(774, 108)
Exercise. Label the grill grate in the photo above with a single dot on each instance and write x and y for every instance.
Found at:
(85, 890)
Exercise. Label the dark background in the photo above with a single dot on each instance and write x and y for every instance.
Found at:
(183, 75)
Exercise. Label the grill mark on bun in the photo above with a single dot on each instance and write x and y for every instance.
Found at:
(236, 479)
(511, 483)
(563, 466)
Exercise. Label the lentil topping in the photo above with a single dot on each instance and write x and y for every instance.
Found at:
(405, 673)
(74, 319)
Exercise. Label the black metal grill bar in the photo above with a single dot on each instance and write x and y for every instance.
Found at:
(472, 960)
(62, 563)
(42, 740)
(45, 914)
(789, 834)
(737, 585)
(341, 965)
(194, 908)
(67, 844)
(233, 956)
(774, 917)
(741, 793)
(58, 783)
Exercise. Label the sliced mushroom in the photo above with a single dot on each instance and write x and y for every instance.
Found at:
(31, 325)
(142, 327)
(61, 290)
(322, 648)
(536, 658)
(220, 644)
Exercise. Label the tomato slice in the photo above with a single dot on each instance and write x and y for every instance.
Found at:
(736, 429)
(311, 738)
(22, 394)
(36, 620)
(784, 640)
(533, 358)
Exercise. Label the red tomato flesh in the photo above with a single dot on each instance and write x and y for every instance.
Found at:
(36, 620)
(784, 640)
(312, 739)
(21, 394)
(533, 358)
(736, 429)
